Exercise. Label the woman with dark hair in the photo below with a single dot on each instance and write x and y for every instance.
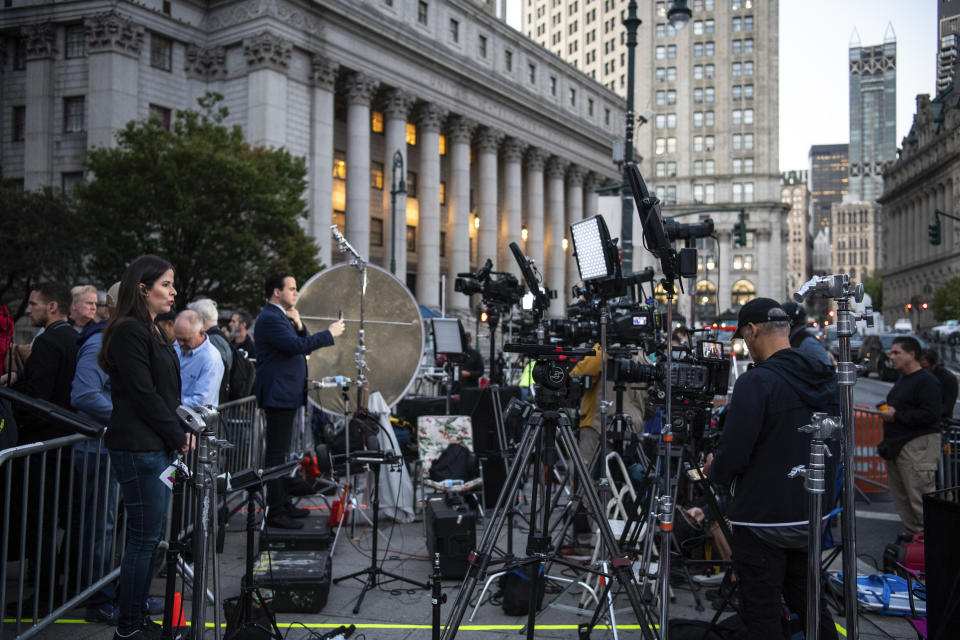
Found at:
(144, 434)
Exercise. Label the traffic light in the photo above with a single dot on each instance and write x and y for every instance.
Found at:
(933, 231)
(925, 306)
(484, 316)
(740, 231)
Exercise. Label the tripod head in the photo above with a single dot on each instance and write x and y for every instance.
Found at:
(555, 386)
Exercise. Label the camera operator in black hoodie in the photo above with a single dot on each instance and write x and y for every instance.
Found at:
(759, 446)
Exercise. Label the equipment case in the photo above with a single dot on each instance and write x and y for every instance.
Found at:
(451, 532)
(315, 535)
(294, 581)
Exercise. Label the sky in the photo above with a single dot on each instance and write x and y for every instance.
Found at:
(814, 81)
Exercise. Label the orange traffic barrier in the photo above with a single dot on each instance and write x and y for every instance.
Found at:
(869, 468)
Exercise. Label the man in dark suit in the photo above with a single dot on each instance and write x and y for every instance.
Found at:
(280, 383)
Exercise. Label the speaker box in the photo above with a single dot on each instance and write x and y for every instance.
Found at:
(941, 522)
(451, 532)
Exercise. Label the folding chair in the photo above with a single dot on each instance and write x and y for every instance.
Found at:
(434, 435)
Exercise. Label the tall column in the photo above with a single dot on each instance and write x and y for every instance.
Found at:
(324, 76)
(533, 247)
(359, 89)
(459, 132)
(575, 175)
(39, 125)
(429, 119)
(591, 201)
(511, 207)
(268, 60)
(487, 143)
(553, 236)
(396, 109)
(113, 45)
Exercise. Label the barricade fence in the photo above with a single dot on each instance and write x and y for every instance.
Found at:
(63, 522)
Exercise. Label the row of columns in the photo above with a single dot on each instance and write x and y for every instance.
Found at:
(541, 191)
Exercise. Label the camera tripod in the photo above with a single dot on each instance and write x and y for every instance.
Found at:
(547, 425)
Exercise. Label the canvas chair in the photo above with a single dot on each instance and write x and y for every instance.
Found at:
(434, 434)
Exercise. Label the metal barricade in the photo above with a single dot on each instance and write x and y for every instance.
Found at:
(870, 470)
(62, 530)
(60, 534)
(949, 476)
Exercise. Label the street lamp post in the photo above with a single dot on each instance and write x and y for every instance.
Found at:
(395, 188)
(631, 22)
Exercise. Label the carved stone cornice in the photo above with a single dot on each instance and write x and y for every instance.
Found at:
(512, 150)
(575, 175)
(267, 51)
(487, 139)
(397, 104)
(460, 129)
(41, 41)
(113, 32)
(323, 72)
(359, 88)
(234, 13)
(557, 167)
(205, 63)
(536, 157)
(430, 116)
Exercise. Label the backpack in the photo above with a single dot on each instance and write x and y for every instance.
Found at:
(515, 590)
(455, 463)
(241, 374)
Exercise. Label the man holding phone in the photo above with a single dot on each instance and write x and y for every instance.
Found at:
(280, 383)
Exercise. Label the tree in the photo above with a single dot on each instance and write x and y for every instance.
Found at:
(873, 285)
(946, 301)
(40, 242)
(224, 213)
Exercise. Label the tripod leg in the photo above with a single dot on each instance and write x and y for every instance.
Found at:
(480, 558)
(620, 564)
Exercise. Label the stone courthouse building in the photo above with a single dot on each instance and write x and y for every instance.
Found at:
(499, 138)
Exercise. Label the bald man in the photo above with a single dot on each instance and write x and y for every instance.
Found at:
(201, 367)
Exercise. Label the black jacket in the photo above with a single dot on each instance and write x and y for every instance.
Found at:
(48, 375)
(145, 385)
(948, 391)
(760, 442)
(918, 403)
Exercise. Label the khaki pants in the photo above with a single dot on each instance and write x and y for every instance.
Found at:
(910, 476)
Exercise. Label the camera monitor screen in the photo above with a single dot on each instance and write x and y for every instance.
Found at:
(448, 337)
(711, 350)
(649, 210)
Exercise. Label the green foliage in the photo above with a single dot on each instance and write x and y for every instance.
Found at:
(40, 232)
(873, 285)
(946, 301)
(224, 213)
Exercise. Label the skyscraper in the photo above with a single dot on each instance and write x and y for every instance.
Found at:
(873, 114)
(711, 91)
(829, 177)
(948, 30)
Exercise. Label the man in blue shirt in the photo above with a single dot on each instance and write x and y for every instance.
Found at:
(201, 367)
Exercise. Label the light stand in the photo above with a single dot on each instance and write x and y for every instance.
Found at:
(841, 289)
(821, 428)
(395, 189)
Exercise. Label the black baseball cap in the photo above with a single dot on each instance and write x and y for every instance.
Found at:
(795, 312)
(757, 311)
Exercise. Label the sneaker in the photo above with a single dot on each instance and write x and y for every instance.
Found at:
(106, 613)
(154, 630)
(154, 606)
(283, 521)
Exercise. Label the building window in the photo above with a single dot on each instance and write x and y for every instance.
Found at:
(748, 91)
(339, 164)
(606, 116)
(710, 194)
(376, 232)
(698, 95)
(443, 192)
(162, 115)
(661, 74)
(482, 46)
(661, 169)
(748, 192)
(737, 24)
(376, 175)
(737, 166)
(661, 98)
(698, 118)
(672, 96)
(747, 141)
(708, 26)
(670, 197)
(411, 184)
(454, 30)
(737, 69)
(737, 92)
(709, 167)
(737, 47)
(661, 52)
(748, 68)
(748, 23)
(743, 292)
(697, 143)
(73, 114)
(411, 134)
(553, 85)
(709, 94)
(709, 48)
(697, 49)
(737, 116)
(698, 28)
(698, 72)
(672, 169)
(737, 141)
(672, 51)
(376, 121)
(422, 9)
(748, 45)
(18, 132)
(20, 55)
(698, 167)
(443, 244)
(76, 41)
(508, 60)
(69, 180)
(708, 143)
(161, 52)
(532, 73)
(411, 238)
(661, 146)
(709, 71)
(671, 74)
(671, 145)
(590, 107)
(708, 118)
(748, 116)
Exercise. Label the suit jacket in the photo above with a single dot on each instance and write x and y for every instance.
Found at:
(48, 375)
(281, 377)
(145, 386)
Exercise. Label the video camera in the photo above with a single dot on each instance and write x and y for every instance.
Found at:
(504, 291)
(697, 378)
(555, 387)
(628, 323)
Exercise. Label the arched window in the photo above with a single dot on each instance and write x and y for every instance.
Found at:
(743, 292)
(706, 306)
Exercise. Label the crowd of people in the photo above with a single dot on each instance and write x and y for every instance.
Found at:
(124, 359)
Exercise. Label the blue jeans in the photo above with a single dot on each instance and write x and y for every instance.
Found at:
(95, 499)
(145, 500)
